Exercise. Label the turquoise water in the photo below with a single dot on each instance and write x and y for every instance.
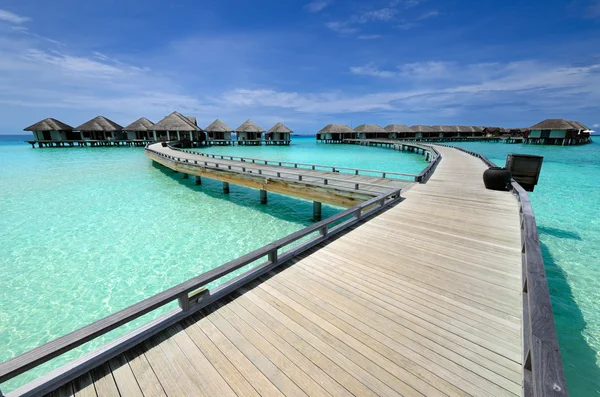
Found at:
(567, 207)
(85, 232)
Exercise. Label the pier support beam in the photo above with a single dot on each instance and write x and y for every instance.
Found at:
(185, 176)
(263, 196)
(226, 187)
(198, 180)
(316, 210)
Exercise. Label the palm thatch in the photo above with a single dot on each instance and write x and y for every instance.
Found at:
(249, 126)
(465, 129)
(337, 129)
(192, 119)
(558, 124)
(141, 124)
(99, 123)
(477, 128)
(370, 128)
(398, 128)
(49, 124)
(422, 128)
(280, 128)
(218, 126)
(175, 122)
(446, 129)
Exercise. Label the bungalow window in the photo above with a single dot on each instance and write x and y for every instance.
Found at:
(545, 134)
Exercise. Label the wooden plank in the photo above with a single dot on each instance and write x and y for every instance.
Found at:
(246, 367)
(84, 386)
(124, 377)
(144, 374)
(64, 391)
(230, 373)
(165, 371)
(104, 382)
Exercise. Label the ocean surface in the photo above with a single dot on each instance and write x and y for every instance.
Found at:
(85, 232)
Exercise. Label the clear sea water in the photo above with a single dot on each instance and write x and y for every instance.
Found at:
(85, 232)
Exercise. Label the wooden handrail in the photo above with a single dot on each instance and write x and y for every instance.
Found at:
(543, 371)
(357, 171)
(244, 169)
(181, 292)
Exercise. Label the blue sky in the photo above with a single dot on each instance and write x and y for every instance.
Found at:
(306, 63)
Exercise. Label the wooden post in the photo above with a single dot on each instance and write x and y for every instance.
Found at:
(226, 187)
(263, 196)
(185, 176)
(198, 180)
(316, 210)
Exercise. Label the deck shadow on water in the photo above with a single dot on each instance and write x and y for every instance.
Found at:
(559, 233)
(579, 359)
(286, 208)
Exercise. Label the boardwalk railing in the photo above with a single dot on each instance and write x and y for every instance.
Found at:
(308, 166)
(543, 372)
(191, 296)
(283, 175)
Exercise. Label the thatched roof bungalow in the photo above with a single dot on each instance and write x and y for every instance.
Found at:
(177, 126)
(371, 131)
(279, 133)
(52, 130)
(336, 132)
(218, 130)
(422, 131)
(249, 131)
(399, 131)
(559, 131)
(142, 128)
(444, 131)
(99, 128)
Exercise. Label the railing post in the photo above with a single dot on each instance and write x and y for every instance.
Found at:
(272, 256)
(324, 230)
(184, 301)
(358, 213)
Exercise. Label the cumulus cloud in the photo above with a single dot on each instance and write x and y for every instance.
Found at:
(11, 17)
(316, 6)
(371, 70)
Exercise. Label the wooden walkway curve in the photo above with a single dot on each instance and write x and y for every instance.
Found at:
(422, 300)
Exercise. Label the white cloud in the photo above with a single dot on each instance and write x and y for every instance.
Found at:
(535, 85)
(351, 25)
(383, 14)
(11, 17)
(596, 125)
(316, 6)
(341, 27)
(371, 70)
(427, 15)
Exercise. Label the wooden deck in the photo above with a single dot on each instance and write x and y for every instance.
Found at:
(422, 300)
(335, 188)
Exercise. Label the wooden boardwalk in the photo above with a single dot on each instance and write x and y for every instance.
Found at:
(422, 300)
(335, 188)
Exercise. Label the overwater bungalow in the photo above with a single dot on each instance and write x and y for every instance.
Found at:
(422, 131)
(493, 131)
(141, 129)
(558, 132)
(219, 133)
(335, 133)
(371, 131)
(99, 128)
(279, 134)
(399, 131)
(443, 131)
(178, 127)
(249, 133)
(52, 130)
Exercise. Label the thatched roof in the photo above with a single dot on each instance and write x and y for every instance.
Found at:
(369, 128)
(175, 122)
(398, 128)
(192, 119)
(421, 128)
(99, 123)
(218, 126)
(280, 128)
(477, 128)
(337, 129)
(249, 126)
(558, 124)
(465, 128)
(141, 124)
(49, 124)
(444, 128)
